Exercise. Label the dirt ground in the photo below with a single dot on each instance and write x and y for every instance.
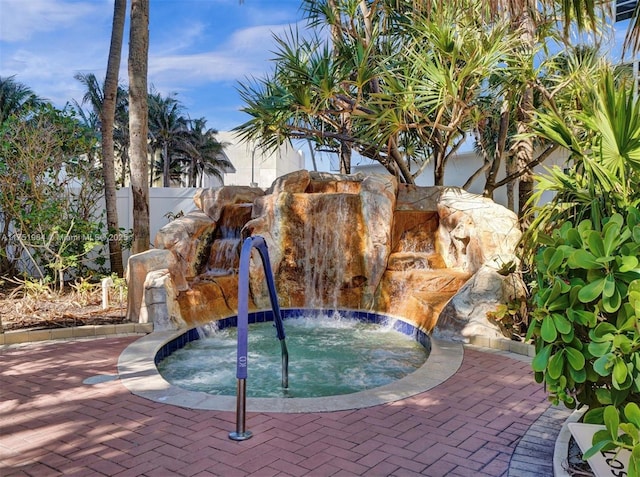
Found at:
(28, 308)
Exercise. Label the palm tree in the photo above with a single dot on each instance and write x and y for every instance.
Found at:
(91, 123)
(167, 127)
(175, 173)
(121, 133)
(94, 96)
(16, 99)
(559, 84)
(138, 122)
(109, 106)
(326, 93)
(399, 86)
(108, 127)
(203, 153)
(433, 93)
(529, 17)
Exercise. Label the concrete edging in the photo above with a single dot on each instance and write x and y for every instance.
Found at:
(76, 332)
(503, 344)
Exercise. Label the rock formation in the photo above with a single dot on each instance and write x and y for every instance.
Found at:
(335, 241)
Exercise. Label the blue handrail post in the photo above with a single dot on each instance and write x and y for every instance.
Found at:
(241, 433)
(261, 245)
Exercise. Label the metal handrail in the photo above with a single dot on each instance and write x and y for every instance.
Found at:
(258, 242)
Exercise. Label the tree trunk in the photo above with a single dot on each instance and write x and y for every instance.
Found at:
(524, 154)
(106, 128)
(151, 173)
(524, 147)
(313, 155)
(165, 165)
(345, 157)
(124, 164)
(438, 164)
(345, 118)
(401, 164)
(498, 155)
(192, 173)
(138, 122)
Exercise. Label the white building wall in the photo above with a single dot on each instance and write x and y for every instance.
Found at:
(254, 166)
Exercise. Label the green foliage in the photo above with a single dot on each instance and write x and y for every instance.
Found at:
(602, 174)
(37, 289)
(119, 288)
(511, 316)
(586, 312)
(586, 317)
(84, 289)
(48, 200)
(622, 431)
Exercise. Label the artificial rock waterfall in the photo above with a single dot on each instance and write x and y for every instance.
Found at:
(428, 254)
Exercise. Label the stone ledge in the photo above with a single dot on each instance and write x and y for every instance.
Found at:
(516, 347)
(92, 331)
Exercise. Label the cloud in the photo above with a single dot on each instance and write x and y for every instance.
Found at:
(21, 20)
(46, 42)
(245, 53)
(179, 38)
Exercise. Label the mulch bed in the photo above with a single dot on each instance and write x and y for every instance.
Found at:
(47, 309)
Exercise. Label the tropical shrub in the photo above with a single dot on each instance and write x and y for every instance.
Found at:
(585, 326)
(619, 434)
(586, 243)
(585, 320)
(48, 196)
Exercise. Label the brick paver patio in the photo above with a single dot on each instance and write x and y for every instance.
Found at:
(51, 423)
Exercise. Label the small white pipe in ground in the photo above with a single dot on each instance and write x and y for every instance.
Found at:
(107, 282)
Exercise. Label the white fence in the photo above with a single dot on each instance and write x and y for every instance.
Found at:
(164, 202)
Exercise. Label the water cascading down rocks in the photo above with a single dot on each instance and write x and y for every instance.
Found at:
(365, 242)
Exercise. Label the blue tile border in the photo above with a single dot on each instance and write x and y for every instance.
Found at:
(265, 316)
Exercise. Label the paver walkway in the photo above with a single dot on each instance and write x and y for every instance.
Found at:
(51, 423)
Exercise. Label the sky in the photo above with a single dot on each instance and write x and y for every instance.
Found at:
(198, 49)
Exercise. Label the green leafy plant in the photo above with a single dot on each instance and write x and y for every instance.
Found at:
(36, 289)
(511, 316)
(586, 323)
(622, 431)
(586, 243)
(85, 290)
(119, 288)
